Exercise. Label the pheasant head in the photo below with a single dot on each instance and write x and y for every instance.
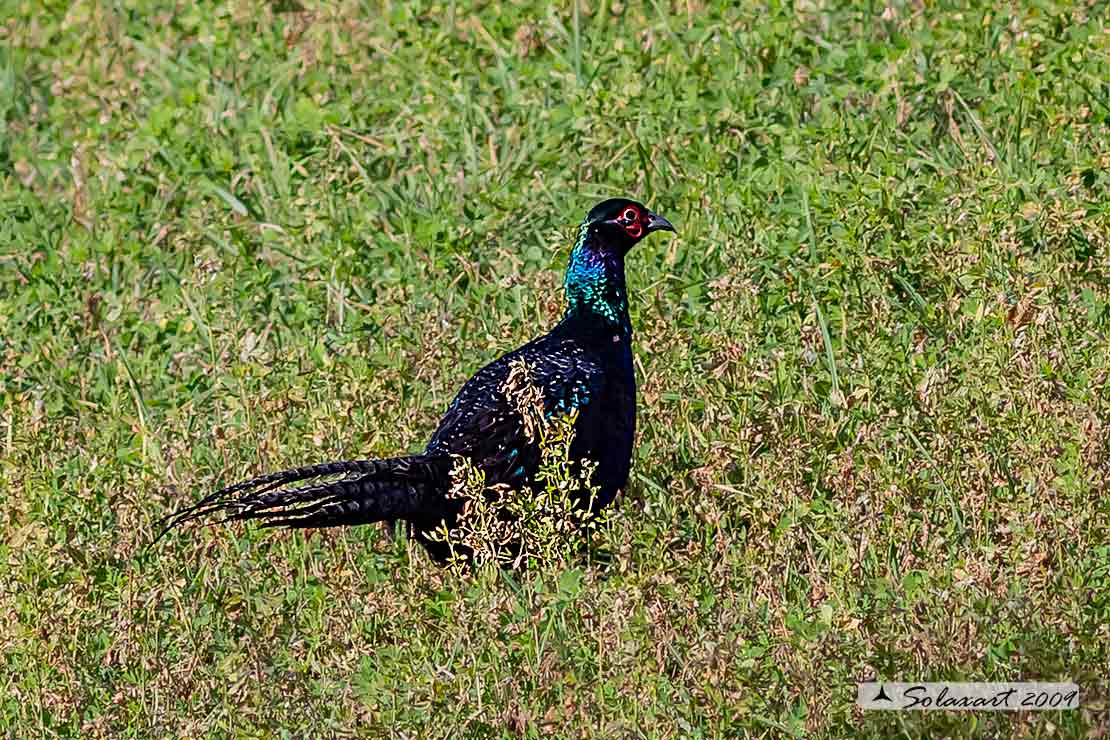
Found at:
(594, 283)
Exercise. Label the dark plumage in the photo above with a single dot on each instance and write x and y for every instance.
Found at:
(583, 363)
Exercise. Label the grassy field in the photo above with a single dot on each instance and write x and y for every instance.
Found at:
(874, 362)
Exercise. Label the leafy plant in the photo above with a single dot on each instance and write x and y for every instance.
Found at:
(540, 526)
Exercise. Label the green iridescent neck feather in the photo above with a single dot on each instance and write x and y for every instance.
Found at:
(594, 283)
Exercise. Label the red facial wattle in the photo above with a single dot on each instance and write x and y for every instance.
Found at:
(632, 223)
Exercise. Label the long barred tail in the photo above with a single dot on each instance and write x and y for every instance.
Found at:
(331, 494)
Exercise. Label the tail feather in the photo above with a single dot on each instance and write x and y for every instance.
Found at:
(344, 510)
(370, 490)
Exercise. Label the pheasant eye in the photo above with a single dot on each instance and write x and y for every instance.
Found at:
(630, 215)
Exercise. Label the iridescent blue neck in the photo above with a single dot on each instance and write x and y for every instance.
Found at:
(594, 285)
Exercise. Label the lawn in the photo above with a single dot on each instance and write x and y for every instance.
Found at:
(874, 431)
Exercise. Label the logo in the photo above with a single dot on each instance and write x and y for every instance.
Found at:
(967, 697)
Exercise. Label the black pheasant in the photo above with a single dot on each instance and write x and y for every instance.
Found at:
(584, 363)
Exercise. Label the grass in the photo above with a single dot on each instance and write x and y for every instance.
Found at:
(236, 237)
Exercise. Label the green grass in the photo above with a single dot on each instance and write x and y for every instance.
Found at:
(874, 424)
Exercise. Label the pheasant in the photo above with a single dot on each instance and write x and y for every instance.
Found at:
(583, 364)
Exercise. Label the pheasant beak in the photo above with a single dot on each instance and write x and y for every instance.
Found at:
(658, 223)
